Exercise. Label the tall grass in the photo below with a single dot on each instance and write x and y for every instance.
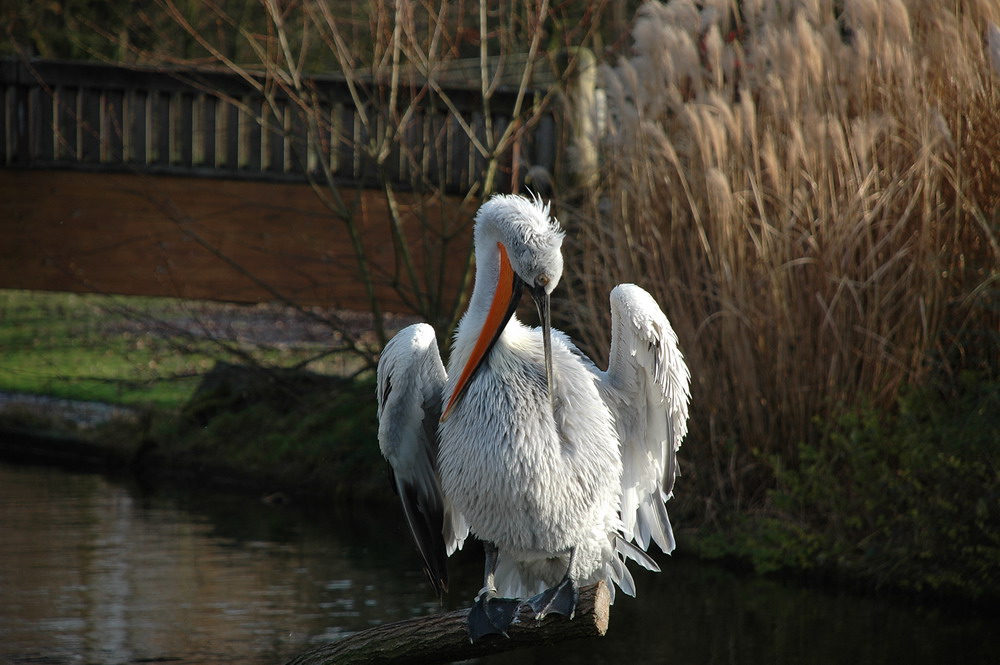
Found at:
(811, 190)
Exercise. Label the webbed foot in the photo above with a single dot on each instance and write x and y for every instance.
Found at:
(560, 599)
(491, 614)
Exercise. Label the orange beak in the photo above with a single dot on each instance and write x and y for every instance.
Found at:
(505, 300)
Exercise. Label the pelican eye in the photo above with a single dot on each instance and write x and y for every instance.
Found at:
(542, 280)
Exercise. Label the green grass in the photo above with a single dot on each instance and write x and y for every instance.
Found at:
(75, 346)
(133, 351)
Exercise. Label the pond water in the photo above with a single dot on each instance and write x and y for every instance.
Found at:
(98, 570)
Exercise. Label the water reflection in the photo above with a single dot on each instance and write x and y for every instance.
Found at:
(96, 571)
(696, 613)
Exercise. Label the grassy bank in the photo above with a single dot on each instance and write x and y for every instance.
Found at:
(240, 395)
(93, 348)
(306, 434)
(147, 351)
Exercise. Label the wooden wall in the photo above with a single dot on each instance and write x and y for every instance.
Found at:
(215, 239)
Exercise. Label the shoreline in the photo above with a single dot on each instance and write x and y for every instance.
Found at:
(120, 440)
(130, 450)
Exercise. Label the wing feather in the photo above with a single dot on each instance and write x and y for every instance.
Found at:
(627, 549)
(409, 388)
(647, 385)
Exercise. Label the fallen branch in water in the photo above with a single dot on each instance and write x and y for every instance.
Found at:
(443, 638)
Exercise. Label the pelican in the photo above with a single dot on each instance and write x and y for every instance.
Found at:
(560, 469)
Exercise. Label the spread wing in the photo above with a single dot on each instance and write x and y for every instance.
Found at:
(647, 386)
(409, 387)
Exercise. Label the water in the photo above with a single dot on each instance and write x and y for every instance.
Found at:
(94, 570)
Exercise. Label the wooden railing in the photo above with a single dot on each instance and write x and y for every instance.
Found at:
(71, 115)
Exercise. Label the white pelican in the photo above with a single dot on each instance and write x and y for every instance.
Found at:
(562, 470)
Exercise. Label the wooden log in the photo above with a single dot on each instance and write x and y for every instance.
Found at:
(442, 638)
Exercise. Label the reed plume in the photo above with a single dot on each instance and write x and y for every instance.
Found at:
(811, 190)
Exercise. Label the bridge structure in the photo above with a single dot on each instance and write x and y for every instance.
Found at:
(201, 183)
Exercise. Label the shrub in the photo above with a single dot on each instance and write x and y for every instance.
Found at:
(909, 498)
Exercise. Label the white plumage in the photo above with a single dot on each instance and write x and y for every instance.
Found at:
(561, 466)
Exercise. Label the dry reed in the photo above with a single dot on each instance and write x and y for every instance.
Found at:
(811, 190)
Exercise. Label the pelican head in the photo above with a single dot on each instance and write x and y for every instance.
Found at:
(525, 242)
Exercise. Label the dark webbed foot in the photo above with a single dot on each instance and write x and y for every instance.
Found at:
(491, 615)
(560, 599)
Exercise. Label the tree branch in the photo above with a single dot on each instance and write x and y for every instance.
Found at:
(443, 638)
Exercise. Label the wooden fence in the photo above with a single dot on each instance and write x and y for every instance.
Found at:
(189, 122)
